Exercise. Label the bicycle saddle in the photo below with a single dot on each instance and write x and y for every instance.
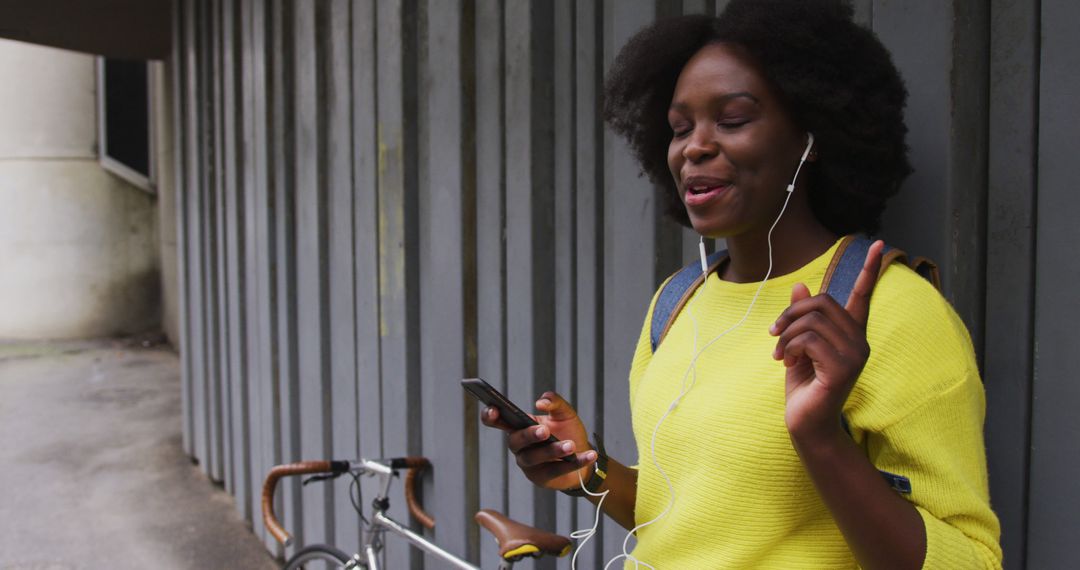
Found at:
(517, 540)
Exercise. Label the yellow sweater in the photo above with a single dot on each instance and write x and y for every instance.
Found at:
(742, 497)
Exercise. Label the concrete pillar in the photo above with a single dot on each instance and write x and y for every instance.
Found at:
(78, 246)
(164, 160)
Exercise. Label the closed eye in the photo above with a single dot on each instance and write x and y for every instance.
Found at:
(680, 130)
(733, 124)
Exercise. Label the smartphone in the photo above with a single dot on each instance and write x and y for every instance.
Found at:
(514, 416)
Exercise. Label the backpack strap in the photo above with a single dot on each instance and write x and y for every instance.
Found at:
(928, 269)
(675, 294)
(839, 279)
(848, 261)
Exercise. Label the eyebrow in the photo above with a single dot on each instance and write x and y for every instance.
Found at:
(721, 99)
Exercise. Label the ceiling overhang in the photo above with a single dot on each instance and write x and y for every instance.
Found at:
(124, 29)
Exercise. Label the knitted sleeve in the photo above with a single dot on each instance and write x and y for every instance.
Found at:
(921, 404)
(939, 447)
(932, 406)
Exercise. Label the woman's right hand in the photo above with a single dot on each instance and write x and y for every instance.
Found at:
(540, 460)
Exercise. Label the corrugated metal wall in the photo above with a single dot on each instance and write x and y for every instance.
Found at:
(378, 198)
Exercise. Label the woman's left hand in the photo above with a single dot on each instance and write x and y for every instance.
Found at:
(824, 348)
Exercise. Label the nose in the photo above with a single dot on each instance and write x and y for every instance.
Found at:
(700, 145)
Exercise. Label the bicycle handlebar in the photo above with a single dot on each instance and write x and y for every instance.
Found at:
(270, 485)
(413, 464)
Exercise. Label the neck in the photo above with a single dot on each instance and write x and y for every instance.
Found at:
(796, 241)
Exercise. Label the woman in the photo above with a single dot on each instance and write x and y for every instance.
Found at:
(772, 410)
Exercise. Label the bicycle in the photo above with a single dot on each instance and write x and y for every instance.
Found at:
(516, 540)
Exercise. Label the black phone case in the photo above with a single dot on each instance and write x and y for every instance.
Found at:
(510, 413)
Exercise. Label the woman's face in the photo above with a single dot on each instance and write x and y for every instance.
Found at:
(734, 149)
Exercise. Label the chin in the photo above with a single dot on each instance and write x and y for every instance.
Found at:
(712, 229)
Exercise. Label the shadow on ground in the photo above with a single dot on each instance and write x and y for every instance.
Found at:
(94, 475)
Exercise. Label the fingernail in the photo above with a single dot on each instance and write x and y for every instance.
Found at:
(541, 432)
(772, 329)
(590, 455)
(567, 446)
(543, 402)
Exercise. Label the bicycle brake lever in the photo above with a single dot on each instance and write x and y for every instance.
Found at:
(315, 478)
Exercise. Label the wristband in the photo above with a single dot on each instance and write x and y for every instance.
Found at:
(598, 475)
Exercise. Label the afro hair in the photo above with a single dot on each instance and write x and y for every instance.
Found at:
(835, 77)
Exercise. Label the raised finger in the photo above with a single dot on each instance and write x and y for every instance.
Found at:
(858, 303)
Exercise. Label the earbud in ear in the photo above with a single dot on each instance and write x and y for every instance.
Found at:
(809, 145)
(806, 153)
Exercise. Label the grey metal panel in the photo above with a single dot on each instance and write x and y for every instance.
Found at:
(195, 218)
(398, 288)
(223, 297)
(282, 182)
(1055, 439)
(366, 223)
(446, 208)
(220, 452)
(311, 266)
(940, 211)
(924, 63)
(529, 222)
(335, 33)
(564, 234)
(630, 213)
(589, 238)
(259, 247)
(490, 248)
(968, 142)
(178, 65)
(1010, 265)
(211, 395)
(238, 270)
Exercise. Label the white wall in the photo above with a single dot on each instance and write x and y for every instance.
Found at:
(78, 246)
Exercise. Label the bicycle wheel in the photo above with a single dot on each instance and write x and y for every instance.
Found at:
(317, 553)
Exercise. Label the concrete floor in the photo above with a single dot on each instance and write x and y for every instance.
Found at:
(92, 474)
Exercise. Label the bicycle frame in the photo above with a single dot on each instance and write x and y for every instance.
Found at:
(381, 523)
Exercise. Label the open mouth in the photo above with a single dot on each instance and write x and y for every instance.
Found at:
(697, 190)
(701, 190)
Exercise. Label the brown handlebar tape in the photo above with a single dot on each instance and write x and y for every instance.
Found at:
(270, 484)
(415, 465)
